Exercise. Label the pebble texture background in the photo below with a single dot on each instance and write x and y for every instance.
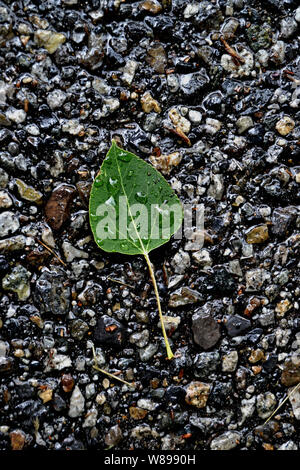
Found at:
(208, 92)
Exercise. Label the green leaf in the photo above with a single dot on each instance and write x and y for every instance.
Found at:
(125, 175)
(133, 210)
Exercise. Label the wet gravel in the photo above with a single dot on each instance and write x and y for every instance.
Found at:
(208, 92)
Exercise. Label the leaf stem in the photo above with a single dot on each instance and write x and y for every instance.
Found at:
(151, 270)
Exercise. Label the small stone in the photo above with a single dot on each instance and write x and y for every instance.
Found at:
(238, 69)
(192, 84)
(230, 361)
(237, 325)
(184, 296)
(50, 40)
(58, 207)
(72, 127)
(28, 192)
(191, 10)
(47, 236)
(18, 281)
(244, 123)
(290, 373)
(148, 352)
(295, 401)
(58, 361)
(258, 234)
(114, 436)
(51, 291)
(67, 383)
(256, 356)
(110, 105)
(227, 441)
(109, 332)
(71, 252)
(216, 187)
(78, 329)
(179, 121)
(297, 15)
(16, 115)
(195, 116)
(5, 200)
(6, 364)
(9, 223)
(146, 404)
(3, 178)
(266, 404)
(288, 27)
(129, 72)
(17, 439)
(46, 395)
(206, 331)
(137, 413)
(77, 403)
(56, 98)
(181, 262)
(156, 57)
(285, 125)
(165, 163)
(149, 104)
(212, 126)
(282, 220)
(141, 338)
(12, 244)
(197, 394)
(171, 323)
(90, 418)
(255, 279)
(202, 257)
(152, 6)
(277, 53)
(282, 307)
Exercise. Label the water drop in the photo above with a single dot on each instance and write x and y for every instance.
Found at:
(113, 185)
(98, 182)
(130, 173)
(141, 197)
(124, 156)
(110, 201)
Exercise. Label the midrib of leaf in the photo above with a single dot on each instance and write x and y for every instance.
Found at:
(128, 206)
(146, 255)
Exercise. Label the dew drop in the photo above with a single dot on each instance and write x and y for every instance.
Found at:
(124, 156)
(130, 173)
(98, 182)
(141, 197)
(110, 201)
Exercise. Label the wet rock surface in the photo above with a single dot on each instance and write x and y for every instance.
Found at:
(208, 93)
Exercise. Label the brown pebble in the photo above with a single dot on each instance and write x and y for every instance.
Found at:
(17, 439)
(58, 206)
(197, 394)
(291, 373)
(67, 383)
(137, 413)
(258, 234)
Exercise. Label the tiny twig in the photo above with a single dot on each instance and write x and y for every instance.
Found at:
(177, 131)
(95, 366)
(51, 251)
(232, 52)
(119, 282)
(283, 402)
